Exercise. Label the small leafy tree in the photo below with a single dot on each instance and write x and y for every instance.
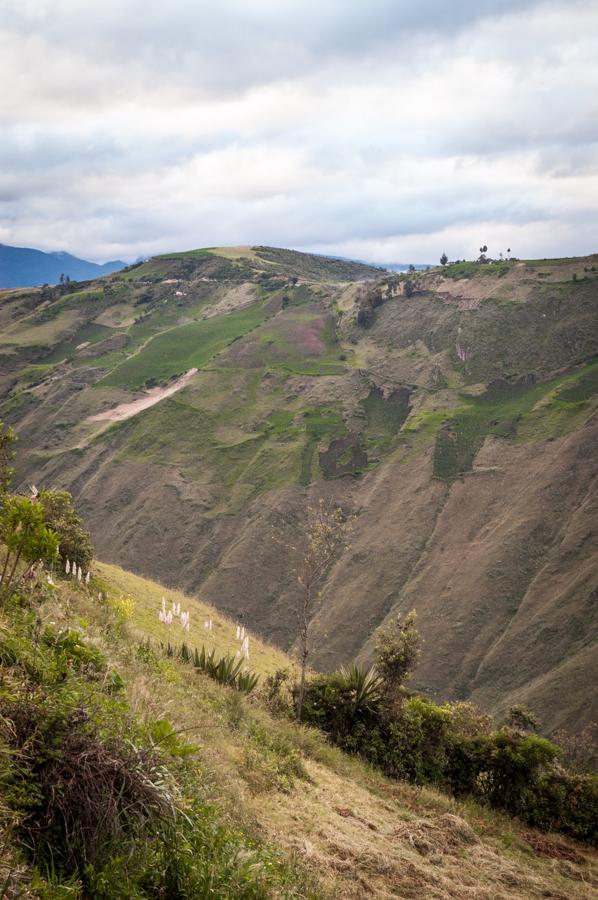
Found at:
(397, 652)
(325, 534)
(63, 518)
(7, 440)
(26, 536)
(522, 717)
(443, 259)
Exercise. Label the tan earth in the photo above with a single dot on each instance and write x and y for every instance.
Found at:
(152, 396)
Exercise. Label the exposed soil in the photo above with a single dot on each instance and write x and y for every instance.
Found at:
(152, 396)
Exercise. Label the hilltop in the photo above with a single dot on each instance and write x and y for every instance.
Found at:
(196, 403)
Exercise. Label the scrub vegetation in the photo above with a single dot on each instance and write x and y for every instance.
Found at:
(134, 766)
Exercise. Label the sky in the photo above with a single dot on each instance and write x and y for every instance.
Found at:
(389, 131)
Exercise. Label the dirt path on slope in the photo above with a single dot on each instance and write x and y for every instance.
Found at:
(152, 396)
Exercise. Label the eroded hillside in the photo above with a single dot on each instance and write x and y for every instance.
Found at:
(197, 403)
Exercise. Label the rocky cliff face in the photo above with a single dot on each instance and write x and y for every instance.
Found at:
(458, 425)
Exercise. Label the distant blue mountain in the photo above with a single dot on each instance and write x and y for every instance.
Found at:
(25, 267)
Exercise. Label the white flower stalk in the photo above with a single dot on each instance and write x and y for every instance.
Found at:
(79, 574)
(245, 648)
(168, 618)
(242, 635)
(67, 567)
(164, 605)
(87, 577)
(206, 625)
(185, 620)
(100, 596)
(50, 580)
(238, 632)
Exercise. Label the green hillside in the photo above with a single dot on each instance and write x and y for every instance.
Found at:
(451, 412)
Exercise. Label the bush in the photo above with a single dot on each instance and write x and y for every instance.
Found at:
(341, 702)
(59, 513)
(453, 747)
(419, 742)
(397, 651)
(26, 537)
(565, 802)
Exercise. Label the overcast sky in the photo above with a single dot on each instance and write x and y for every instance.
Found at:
(391, 130)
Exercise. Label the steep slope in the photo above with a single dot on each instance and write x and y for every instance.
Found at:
(197, 403)
(25, 267)
(355, 832)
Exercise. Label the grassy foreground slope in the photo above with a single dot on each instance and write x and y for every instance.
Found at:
(458, 425)
(335, 828)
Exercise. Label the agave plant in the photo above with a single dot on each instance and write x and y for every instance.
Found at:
(365, 684)
(246, 681)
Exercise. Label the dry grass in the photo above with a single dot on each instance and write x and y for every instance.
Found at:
(264, 658)
(360, 833)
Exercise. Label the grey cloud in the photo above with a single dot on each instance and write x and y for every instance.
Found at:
(412, 118)
(237, 43)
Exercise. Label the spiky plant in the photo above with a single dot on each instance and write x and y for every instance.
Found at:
(364, 684)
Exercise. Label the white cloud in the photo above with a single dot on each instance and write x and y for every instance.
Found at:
(400, 128)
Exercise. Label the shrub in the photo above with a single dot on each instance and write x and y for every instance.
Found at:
(397, 651)
(512, 763)
(59, 513)
(277, 693)
(521, 716)
(26, 537)
(566, 802)
(453, 747)
(419, 742)
(339, 703)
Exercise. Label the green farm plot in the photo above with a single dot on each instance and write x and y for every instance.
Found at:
(385, 416)
(513, 412)
(182, 348)
(320, 425)
(298, 340)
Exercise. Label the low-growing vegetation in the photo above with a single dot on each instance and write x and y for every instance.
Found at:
(227, 669)
(451, 746)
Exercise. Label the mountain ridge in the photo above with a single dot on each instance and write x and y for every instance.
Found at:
(28, 267)
(456, 423)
